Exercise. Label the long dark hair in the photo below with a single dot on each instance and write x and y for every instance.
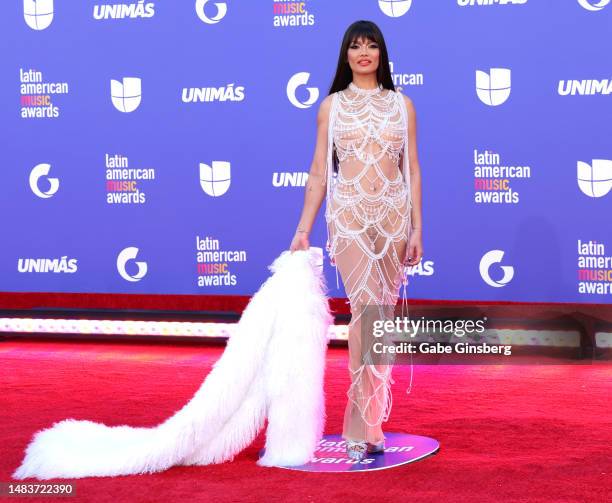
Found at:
(344, 74)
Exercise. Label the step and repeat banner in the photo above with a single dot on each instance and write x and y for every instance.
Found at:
(163, 147)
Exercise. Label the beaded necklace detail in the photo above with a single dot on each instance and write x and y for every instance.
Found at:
(366, 92)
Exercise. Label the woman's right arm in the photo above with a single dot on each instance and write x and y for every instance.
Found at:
(316, 186)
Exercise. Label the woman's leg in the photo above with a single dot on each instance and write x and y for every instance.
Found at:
(372, 285)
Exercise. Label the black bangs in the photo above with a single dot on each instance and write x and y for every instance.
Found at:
(362, 30)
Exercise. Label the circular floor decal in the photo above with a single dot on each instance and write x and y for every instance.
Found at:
(401, 448)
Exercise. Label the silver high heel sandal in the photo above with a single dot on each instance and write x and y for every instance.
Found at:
(356, 450)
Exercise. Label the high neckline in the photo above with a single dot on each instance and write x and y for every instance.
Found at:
(365, 92)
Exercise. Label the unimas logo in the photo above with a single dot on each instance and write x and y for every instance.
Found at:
(593, 5)
(489, 259)
(208, 94)
(126, 95)
(585, 87)
(127, 255)
(289, 179)
(394, 8)
(52, 184)
(595, 179)
(133, 10)
(423, 268)
(493, 88)
(301, 79)
(201, 6)
(38, 14)
(215, 179)
(55, 265)
(489, 3)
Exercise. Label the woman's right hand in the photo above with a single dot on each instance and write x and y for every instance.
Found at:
(300, 242)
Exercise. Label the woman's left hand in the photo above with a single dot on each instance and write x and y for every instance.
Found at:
(414, 250)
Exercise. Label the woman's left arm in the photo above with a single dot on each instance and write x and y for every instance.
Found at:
(415, 246)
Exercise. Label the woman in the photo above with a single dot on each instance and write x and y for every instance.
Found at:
(366, 164)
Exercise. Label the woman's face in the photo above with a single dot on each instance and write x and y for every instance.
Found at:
(363, 56)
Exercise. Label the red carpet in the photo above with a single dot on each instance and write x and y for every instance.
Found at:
(507, 433)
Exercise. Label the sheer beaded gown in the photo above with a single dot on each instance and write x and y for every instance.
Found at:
(368, 222)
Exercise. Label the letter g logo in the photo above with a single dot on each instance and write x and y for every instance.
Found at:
(221, 11)
(301, 79)
(36, 174)
(495, 257)
(126, 254)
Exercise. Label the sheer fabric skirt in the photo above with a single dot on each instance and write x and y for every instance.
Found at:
(368, 235)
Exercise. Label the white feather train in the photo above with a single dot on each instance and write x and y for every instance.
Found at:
(273, 366)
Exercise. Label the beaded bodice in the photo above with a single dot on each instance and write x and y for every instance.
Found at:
(368, 127)
(369, 195)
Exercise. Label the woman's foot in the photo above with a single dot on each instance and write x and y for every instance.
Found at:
(377, 447)
(356, 450)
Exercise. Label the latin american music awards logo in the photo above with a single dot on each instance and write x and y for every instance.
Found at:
(292, 13)
(399, 449)
(214, 265)
(37, 95)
